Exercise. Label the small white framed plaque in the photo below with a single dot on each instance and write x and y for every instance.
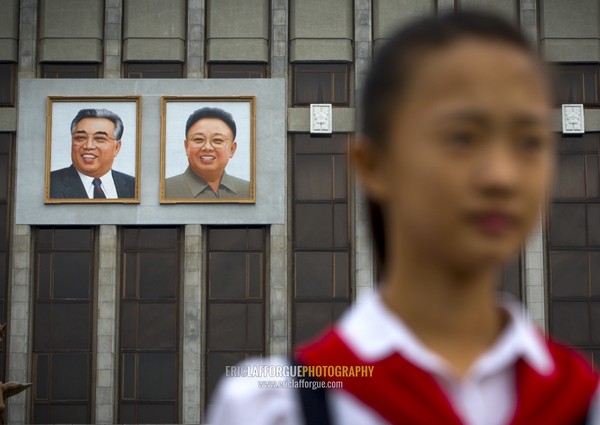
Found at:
(573, 119)
(320, 118)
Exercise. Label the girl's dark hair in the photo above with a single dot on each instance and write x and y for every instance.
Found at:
(394, 65)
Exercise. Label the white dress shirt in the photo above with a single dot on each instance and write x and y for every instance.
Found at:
(107, 186)
(484, 396)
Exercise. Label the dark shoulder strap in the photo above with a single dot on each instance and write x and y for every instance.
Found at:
(313, 402)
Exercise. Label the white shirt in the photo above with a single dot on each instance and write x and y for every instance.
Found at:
(484, 396)
(107, 186)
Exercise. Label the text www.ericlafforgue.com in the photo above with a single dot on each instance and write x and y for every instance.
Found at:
(300, 383)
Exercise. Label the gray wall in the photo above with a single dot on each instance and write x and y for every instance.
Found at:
(570, 30)
(270, 154)
(71, 30)
(247, 40)
(388, 15)
(506, 8)
(9, 30)
(321, 30)
(154, 30)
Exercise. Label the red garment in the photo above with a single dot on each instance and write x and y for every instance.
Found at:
(403, 393)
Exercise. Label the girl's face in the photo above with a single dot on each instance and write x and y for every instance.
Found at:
(468, 162)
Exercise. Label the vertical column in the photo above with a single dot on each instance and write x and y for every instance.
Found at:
(20, 250)
(529, 20)
(534, 256)
(535, 294)
(18, 326)
(363, 249)
(196, 19)
(113, 18)
(28, 38)
(278, 285)
(192, 316)
(279, 39)
(279, 311)
(445, 6)
(107, 310)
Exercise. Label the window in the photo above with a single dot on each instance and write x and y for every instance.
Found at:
(6, 149)
(7, 83)
(321, 236)
(70, 70)
(149, 325)
(62, 325)
(237, 70)
(235, 310)
(577, 84)
(321, 83)
(574, 245)
(153, 70)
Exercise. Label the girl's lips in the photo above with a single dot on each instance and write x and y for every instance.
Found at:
(494, 223)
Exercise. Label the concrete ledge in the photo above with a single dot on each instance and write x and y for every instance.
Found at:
(143, 49)
(8, 119)
(238, 49)
(70, 49)
(592, 120)
(570, 49)
(389, 15)
(298, 120)
(312, 49)
(9, 49)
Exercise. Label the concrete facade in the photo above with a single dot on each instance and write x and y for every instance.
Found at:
(389, 14)
(248, 40)
(363, 250)
(9, 31)
(70, 30)
(18, 336)
(280, 315)
(195, 38)
(154, 30)
(113, 17)
(570, 31)
(106, 333)
(192, 324)
(321, 31)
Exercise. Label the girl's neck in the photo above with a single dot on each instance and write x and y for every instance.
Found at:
(453, 314)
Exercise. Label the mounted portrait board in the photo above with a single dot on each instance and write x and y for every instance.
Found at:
(152, 151)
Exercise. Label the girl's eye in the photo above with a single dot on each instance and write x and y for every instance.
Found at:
(461, 139)
(530, 143)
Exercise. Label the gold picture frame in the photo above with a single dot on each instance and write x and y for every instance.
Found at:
(183, 175)
(64, 183)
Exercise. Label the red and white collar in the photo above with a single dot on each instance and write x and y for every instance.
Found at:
(373, 332)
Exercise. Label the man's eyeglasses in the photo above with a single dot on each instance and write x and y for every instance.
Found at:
(98, 139)
(216, 142)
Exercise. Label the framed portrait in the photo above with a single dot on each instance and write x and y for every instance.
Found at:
(208, 150)
(93, 149)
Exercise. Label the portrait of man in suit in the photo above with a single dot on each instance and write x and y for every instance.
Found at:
(95, 143)
(210, 143)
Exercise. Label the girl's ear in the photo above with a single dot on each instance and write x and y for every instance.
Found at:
(370, 164)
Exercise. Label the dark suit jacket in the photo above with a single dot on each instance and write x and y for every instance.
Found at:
(65, 183)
